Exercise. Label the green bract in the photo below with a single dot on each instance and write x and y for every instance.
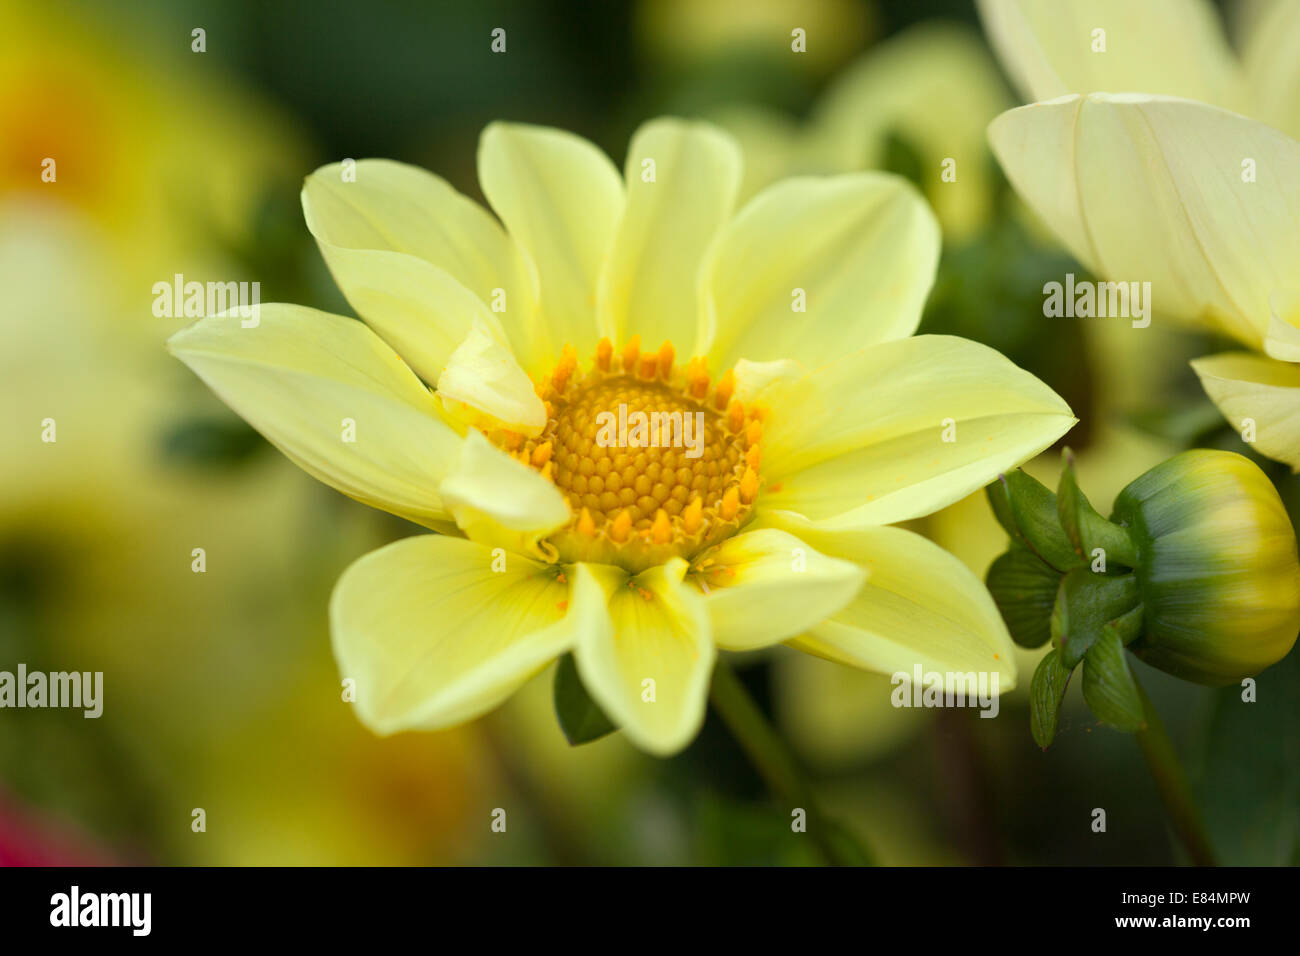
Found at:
(1196, 572)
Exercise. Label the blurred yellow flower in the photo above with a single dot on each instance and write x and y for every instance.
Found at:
(685, 33)
(830, 426)
(934, 86)
(158, 166)
(122, 131)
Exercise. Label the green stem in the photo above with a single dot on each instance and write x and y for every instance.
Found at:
(1172, 783)
(777, 766)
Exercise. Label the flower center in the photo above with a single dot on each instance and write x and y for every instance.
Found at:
(655, 461)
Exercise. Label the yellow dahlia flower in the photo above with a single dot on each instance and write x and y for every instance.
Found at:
(1143, 186)
(477, 396)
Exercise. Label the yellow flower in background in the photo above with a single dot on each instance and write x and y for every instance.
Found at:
(1143, 186)
(113, 175)
(827, 426)
(159, 167)
(109, 180)
(684, 34)
(934, 85)
(122, 131)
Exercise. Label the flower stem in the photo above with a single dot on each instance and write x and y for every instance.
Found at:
(777, 766)
(1172, 783)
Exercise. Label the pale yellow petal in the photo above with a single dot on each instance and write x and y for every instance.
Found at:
(920, 606)
(899, 430)
(1260, 398)
(753, 379)
(1172, 47)
(1282, 340)
(501, 502)
(682, 179)
(1271, 56)
(650, 673)
(767, 586)
(484, 384)
(562, 199)
(435, 631)
(1201, 203)
(813, 268)
(418, 260)
(333, 397)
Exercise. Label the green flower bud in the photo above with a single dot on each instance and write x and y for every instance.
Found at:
(1217, 569)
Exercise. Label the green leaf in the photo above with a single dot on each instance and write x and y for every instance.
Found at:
(1046, 691)
(1071, 505)
(580, 719)
(1024, 589)
(1000, 502)
(1129, 626)
(1060, 623)
(1108, 686)
(1085, 528)
(1033, 509)
(1091, 602)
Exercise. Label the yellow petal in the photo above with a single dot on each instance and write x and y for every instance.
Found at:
(1257, 395)
(562, 199)
(1172, 47)
(501, 502)
(1271, 55)
(753, 379)
(767, 586)
(334, 398)
(437, 630)
(682, 179)
(813, 268)
(899, 430)
(1282, 340)
(483, 375)
(417, 260)
(650, 672)
(1154, 189)
(920, 605)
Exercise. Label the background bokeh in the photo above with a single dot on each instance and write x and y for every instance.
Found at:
(220, 689)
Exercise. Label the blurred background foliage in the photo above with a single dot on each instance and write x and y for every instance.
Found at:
(221, 692)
